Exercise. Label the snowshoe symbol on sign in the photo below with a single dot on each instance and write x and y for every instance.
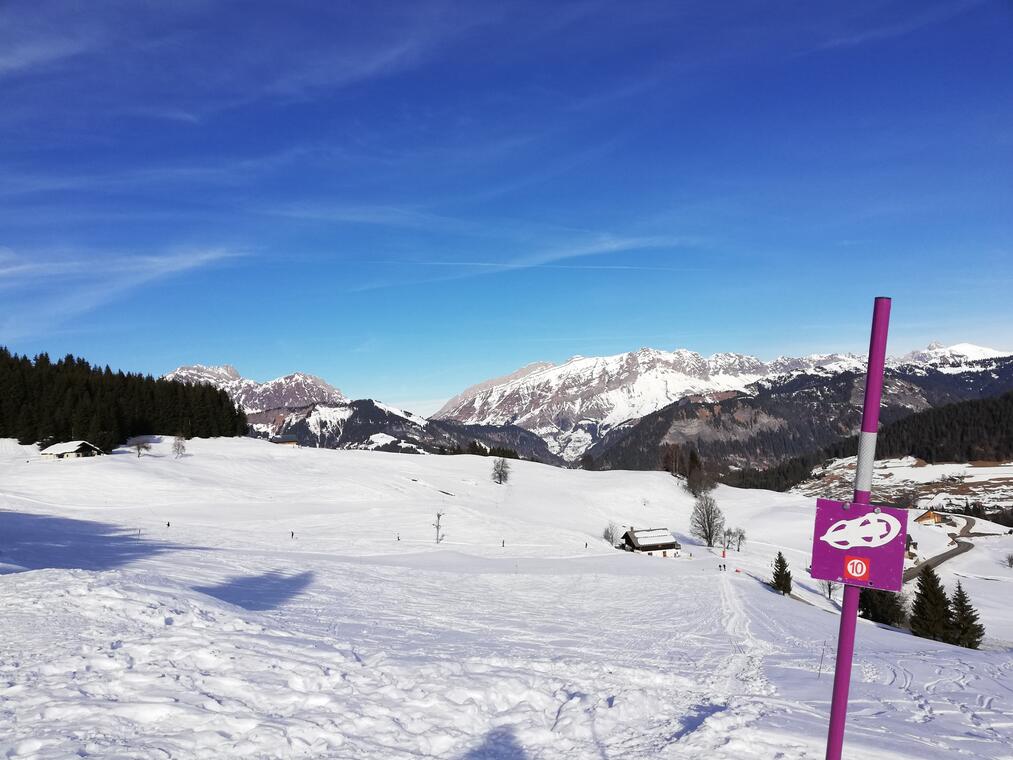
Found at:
(857, 568)
(868, 531)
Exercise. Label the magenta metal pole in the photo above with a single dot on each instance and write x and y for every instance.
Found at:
(863, 492)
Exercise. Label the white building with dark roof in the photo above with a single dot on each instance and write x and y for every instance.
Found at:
(650, 540)
(71, 450)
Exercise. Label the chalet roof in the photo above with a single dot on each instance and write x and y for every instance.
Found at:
(645, 539)
(68, 447)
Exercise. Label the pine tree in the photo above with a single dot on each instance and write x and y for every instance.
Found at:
(967, 631)
(930, 613)
(881, 606)
(782, 575)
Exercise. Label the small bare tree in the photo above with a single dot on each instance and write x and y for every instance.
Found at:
(828, 588)
(140, 446)
(707, 522)
(500, 471)
(612, 533)
(1009, 560)
(740, 539)
(439, 530)
(178, 446)
(727, 537)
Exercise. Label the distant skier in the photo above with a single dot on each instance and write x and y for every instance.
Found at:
(398, 536)
(166, 523)
(293, 534)
(503, 544)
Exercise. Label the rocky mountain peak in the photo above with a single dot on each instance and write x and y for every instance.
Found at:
(290, 391)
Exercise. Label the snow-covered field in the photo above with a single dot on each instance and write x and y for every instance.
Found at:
(939, 486)
(521, 635)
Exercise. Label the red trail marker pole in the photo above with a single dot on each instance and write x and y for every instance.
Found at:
(863, 493)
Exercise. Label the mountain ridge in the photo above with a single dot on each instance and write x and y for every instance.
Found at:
(573, 405)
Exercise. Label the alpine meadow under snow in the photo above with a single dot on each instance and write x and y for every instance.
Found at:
(252, 600)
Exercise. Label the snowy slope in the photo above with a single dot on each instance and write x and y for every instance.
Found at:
(574, 404)
(940, 486)
(221, 635)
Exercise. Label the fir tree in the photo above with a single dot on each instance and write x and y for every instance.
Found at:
(881, 606)
(781, 580)
(967, 631)
(930, 613)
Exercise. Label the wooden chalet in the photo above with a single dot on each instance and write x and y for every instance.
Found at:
(71, 450)
(650, 540)
(930, 517)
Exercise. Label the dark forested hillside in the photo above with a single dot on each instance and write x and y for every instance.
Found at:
(968, 431)
(42, 401)
(964, 432)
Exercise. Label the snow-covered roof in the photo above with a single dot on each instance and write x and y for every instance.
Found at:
(652, 537)
(68, 447)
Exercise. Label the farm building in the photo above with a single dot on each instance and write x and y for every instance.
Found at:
(930, 517)
(650, 540)
(71, 450)
(286, 440)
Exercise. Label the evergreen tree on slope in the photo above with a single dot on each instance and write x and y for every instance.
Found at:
(930, 613)
(967, 631)
(782, 575)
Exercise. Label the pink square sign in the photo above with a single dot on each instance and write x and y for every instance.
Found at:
(859, 544)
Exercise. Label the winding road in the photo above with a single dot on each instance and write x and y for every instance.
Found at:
(961, 548)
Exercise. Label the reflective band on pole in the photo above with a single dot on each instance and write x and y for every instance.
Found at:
(866, 460)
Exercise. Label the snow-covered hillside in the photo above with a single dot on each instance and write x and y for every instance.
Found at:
(574, 404)
(156, 606)
(939, 486)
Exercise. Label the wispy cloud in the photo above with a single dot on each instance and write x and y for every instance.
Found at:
(44, 290)
(547, 258)
(377, 215)
(908, 23)
(32, 54)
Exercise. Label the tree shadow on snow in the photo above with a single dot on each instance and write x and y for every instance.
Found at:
(259, 592)
(37, 542)
(498, 744)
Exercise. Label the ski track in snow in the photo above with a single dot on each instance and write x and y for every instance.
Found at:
(228, 643)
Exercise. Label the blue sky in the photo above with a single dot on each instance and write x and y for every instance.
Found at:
(409, 198)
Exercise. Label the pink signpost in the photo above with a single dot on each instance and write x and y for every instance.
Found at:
(857, 543)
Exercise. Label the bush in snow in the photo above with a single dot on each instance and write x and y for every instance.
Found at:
(1009, 560)
(178, 446)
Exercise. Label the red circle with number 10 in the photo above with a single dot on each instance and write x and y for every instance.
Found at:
(856, 568)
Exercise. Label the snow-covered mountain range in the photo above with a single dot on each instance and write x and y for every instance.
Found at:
(581, 405)
(573, 405)
(319, 415)
(290, 391)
